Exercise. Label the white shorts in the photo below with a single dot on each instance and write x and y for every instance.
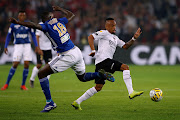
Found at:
(22, 50)
(70, 59)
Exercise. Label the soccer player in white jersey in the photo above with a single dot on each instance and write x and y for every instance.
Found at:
(69, 56)
(107, 43)
(22, 48)
(45, 54)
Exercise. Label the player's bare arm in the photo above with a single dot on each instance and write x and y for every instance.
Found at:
(69, 14)
(130, 42)
(91, 44)
(27, 24)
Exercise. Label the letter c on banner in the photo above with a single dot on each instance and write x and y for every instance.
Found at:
(134, 55)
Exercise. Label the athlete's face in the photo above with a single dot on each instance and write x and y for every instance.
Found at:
(22, 16)
(51, 15)
(110, 25)
(48, 17)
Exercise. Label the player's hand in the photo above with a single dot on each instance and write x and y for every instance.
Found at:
(6, 51)
(138, 33)
(13, 20)
(56, 8)
(92, 54)
(38, 50)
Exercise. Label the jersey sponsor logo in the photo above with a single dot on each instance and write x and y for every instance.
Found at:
(65, 38)
(16, 26)
(111, 43)
(21, 36)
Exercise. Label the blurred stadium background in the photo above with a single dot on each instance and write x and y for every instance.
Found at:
(159, 20)
(158, 44)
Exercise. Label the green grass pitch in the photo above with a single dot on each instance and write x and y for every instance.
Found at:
(112, 103)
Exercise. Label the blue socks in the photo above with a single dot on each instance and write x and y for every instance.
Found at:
(45, 87)
(90, 76)
(25, 74)
(11, 73)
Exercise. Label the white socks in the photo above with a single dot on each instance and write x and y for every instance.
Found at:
(34, 73)
(128, 80)
(90, 92)
(48, 77)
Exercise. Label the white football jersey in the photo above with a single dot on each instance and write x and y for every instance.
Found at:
(44, 42)
(107, 44)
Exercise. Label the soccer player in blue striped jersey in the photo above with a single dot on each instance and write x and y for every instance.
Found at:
(69, 56)
(22, 47)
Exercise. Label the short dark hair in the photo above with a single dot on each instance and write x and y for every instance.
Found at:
(109, 19)
(21, 11)
(44, 15)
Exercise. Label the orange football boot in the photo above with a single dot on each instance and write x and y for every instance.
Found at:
(4, 87)
(23, 87)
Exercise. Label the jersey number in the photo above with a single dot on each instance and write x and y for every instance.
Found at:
(60, 28)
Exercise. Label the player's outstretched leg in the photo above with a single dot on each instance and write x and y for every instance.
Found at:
(106, 75)
(128, 82)
(76, 105)
(89, 93)
(93, 75)
(135, 94)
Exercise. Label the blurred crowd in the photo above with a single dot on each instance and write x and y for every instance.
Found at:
(158, 19)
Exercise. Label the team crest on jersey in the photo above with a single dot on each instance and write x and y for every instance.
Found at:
(96, 33)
